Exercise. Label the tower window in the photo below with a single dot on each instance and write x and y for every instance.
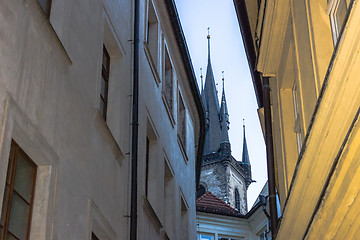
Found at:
(237, 200)
(19, 195)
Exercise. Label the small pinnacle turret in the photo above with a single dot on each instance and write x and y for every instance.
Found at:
(224, 117)
(246, 160)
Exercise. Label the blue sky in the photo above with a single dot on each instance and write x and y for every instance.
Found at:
(228, 55)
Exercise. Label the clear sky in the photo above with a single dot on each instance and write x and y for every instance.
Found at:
(228, 55)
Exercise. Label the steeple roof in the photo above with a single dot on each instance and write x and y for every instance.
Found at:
(211, 103)
(224, 116)
(245, 153)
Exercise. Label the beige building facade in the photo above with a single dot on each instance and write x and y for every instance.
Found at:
(309, 50)
(66, 105)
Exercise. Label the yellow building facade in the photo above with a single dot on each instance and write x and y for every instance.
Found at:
(310, 51)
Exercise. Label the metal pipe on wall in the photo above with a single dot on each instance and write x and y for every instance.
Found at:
(270, 157)
(135, 123)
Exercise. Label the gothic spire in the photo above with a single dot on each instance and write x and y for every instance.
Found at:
(224, 115)
(245, 153)
(211, 102)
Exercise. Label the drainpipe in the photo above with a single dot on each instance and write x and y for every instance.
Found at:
(135, 124)
(270, 157)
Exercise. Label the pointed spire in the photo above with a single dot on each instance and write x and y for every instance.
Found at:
(208, 38)
(202, 82)
(245, 153)
(224, 116)
(211, 104)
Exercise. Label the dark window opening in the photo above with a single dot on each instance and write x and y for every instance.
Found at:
(237, 200)
(104, 86)
(18, 196)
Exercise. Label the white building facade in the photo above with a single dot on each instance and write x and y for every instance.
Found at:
(66, 107)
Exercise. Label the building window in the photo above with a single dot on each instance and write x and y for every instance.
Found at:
(147, 161)
(94, 237)
(104, 88)
(337, 12)
(168, 82)
(181, 123)
(45, 6)
(151, 153)
(237, 200)
(19, 195)
(168, 193)
(152, 36)
(297, 127)
(205, 237)
(184, 220)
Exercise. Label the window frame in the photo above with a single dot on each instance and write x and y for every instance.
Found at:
(94, 237)
(105, 76)
(47, 11)
(237, 199)
(9, 192)
(181, 123)
(297, 125)
(168, 83)
(333, 7)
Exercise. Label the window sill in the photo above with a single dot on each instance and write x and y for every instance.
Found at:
(168, 110)
(106, 133)
(150, 211)
(182, 149)
(152, 64)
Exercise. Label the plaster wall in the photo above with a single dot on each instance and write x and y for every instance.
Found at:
(49, 104)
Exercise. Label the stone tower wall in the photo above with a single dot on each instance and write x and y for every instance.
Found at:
(213, 177)
(236, 181)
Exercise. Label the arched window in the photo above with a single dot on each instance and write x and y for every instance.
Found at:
(237, 199)
(201, 190)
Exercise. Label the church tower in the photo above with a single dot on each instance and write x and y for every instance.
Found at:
(221, 174)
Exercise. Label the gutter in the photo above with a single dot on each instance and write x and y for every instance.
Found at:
(135, 123)
(245, 29)
(262, 90)
(185, 57)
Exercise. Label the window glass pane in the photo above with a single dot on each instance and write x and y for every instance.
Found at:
(23, 178)
(43, 4)
(5, 204)
(340, 14)
(205, 237)
(102, 107)
(106, 60)
(18, 217)
(103, 87)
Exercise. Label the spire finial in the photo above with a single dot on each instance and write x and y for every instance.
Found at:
(244, 122)
(201, 76)
(223, 79)
(208, 38)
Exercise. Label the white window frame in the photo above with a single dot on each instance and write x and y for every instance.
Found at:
(333, 6)
(297, 126)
